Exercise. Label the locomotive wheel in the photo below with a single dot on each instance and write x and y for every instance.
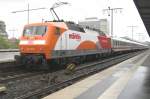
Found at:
(70, 68)
(19, 60)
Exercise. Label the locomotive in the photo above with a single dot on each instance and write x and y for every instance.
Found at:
(62, 43)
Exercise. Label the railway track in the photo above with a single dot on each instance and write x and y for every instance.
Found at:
(9, 71)
(9, 77)
(60, 80)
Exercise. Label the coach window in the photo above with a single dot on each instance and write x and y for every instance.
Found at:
(121, 44)
(57, 32)
(117, 43)
(114, 43)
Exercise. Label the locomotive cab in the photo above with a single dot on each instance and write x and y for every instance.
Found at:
(37, 42)
(33, 39)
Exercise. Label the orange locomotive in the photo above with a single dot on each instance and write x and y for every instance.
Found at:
(61, 43)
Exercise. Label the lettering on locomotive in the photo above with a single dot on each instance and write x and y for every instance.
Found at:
(75, 36)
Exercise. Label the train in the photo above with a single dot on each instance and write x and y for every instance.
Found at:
(65, 43)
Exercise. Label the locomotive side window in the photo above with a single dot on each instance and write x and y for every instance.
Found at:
(34, 30)
(57, 31)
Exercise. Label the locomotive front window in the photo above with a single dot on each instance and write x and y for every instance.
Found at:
(34, 30)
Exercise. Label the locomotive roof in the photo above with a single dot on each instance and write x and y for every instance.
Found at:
(73, 26)
(66, 25)
(57, 24)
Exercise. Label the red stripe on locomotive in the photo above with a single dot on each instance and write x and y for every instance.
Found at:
(104, 41)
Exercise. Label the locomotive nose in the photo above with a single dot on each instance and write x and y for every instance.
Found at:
(32, 46)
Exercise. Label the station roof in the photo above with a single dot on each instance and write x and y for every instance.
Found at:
(143, 7)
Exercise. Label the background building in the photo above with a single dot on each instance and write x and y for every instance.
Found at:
(3, 32)
(94, 22)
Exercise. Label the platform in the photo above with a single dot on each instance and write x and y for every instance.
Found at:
(127, 80)
(7, 56)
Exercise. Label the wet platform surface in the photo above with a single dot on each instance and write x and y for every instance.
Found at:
(139, 86)
(127, 80)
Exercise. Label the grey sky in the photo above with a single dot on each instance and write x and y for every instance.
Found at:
(78, 10)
